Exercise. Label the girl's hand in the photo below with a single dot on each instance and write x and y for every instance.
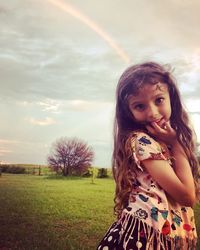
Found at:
(165, 133)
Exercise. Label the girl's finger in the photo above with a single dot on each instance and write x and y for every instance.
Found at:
(167, 126)
(157, 127)
(170, 129)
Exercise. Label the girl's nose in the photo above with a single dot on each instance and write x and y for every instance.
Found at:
(153, 112)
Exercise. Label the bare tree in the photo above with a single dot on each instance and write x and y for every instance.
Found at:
(70, 156)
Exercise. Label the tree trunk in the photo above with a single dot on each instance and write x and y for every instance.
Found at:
(65, 171)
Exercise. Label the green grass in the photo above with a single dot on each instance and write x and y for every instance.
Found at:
(40, 212)
(37, 212)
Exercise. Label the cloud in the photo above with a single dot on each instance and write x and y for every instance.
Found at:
(4, 144)
(195, 118)
(59, 67)
(61, 106)
(23, 103)
(50, 105)
(45, 122)
(193, 105)
(5, 151)
(82, 105)
(3, 141)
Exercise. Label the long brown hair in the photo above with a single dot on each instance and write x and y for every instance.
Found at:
(123, 165)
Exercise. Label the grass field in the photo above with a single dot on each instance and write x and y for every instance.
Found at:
(41, 212)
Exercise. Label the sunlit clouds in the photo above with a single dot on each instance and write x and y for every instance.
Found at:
(195, 118)
(193, 105)
(4, 151)
(42, 122)
(61, 60)
(49, 105)
(193, 61)
(4, 142)
(82, 105)
(6, 145)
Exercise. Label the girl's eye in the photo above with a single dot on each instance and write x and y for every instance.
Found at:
(139, 107)
(159, 100)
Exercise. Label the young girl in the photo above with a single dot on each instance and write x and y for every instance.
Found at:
(154, 164)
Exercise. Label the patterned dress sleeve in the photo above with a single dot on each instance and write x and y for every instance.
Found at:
(145, 147)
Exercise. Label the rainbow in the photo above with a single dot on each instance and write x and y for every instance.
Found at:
(67, 8)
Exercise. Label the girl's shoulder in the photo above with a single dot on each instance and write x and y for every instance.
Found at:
(143, 138)
(143, 146)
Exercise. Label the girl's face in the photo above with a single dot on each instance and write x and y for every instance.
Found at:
(151, 104)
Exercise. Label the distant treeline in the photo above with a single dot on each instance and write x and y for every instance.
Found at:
(45, 170)
(24, 169)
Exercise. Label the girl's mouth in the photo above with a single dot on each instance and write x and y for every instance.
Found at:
(160, 122)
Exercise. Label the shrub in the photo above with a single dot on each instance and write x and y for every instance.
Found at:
(4, 168)
(12, 169)
(88, 173)
(102, 173)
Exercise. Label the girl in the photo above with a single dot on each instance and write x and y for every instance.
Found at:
(154, 165)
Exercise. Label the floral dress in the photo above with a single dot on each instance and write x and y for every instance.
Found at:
(151, 220)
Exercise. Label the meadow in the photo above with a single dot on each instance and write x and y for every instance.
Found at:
(51, 212)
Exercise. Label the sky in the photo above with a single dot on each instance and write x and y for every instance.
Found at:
(60, 62)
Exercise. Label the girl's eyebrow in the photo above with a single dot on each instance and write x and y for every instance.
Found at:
(136, 101)
(160, 94)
